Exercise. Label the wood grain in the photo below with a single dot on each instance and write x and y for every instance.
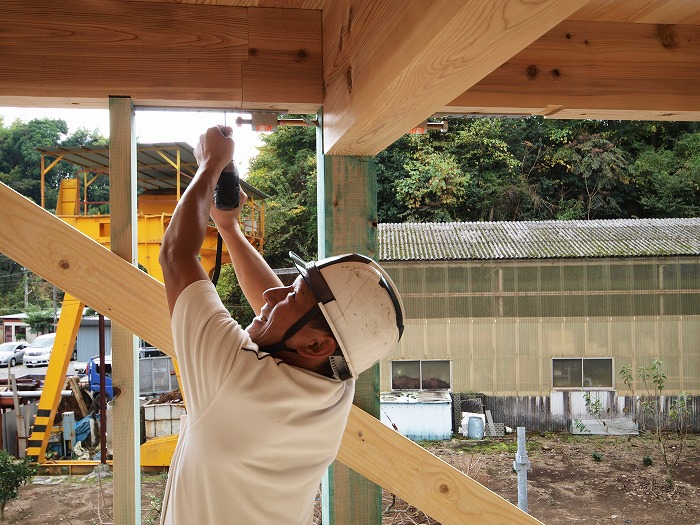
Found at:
(389, 65)
(598, 70)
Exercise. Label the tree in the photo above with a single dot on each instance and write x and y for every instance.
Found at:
(434, 186)
(600, 165)
(13, 474)
(285, 169)
(653, 379)
(39, 321)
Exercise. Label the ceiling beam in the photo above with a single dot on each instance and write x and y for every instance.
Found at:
(389, 65)
(79, 53)
(603, 70)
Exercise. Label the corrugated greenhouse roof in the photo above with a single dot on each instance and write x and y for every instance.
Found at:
(539, 240)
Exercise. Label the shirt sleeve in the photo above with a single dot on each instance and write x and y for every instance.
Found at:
(207, 342)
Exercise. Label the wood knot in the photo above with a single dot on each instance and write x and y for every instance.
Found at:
(556, 73)
(252, 51)
(302, 53)
(348, 75)
(374, 224)
(63, 264)
(444, 489)
(359, 434)
(532, 71)
(666, 35)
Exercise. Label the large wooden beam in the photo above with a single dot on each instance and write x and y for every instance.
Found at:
(73, 262)
(79, 53)
(601, 70)
(389, 65)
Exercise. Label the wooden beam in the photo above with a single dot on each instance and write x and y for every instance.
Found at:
(125, 372)
(634, 11)
(283, 40)
(597, 70)
(60, 254)
(390, 65)
(78, 53)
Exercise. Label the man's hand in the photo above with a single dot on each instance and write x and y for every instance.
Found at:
(215, 150)
(227, 219)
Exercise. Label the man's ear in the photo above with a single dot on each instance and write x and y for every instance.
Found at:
(321, 347)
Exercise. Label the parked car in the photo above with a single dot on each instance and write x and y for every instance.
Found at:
(12, 353)
(39, 352)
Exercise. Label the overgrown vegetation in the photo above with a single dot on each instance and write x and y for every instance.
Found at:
(13, 474)
(665, 427)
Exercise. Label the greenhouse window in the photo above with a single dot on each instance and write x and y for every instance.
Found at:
(420, 375)
(582, 372)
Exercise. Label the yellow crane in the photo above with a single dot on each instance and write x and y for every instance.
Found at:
(164, 171)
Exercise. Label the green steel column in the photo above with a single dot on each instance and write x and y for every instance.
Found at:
(347, 222)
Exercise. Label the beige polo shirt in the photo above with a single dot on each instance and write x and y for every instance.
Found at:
(259, 433)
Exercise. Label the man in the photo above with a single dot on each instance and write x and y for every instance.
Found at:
(267, 405)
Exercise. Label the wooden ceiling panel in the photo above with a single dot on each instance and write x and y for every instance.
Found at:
(641, 12)
(281, 4)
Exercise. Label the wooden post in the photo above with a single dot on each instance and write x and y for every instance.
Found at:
(347, 219)
(122, 210)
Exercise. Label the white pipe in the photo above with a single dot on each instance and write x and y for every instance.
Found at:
(33, 393)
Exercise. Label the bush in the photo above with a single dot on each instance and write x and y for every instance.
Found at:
(13, 474)
(597, 456)
(648, 460)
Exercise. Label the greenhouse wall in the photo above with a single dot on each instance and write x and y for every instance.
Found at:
(530, 327)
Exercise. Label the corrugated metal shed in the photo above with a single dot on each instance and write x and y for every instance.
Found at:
(539, 240)
(155, 163)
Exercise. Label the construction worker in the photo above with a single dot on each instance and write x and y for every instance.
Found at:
(266, 406)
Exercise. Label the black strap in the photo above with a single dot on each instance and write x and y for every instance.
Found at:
(217, 265)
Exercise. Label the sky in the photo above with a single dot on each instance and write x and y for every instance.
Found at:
(152, 126)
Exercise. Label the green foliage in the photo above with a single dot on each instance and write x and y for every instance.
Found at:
(653, 379)
(647, 460)
(13, 474)
(285, 169)
(39, 321)
(597, 456)
(232, 296)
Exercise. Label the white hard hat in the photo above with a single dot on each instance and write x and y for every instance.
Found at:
(361, 305)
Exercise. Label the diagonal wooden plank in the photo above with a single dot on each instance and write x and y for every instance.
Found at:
(80, 266)
(389, 65)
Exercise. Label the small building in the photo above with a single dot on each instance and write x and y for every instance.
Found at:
(15, 329)
(528, 316)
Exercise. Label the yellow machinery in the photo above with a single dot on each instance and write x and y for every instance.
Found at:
(164, 170)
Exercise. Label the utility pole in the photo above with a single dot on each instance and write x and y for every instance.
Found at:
(26, 288)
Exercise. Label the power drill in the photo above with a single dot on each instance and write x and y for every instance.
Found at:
(227, 191)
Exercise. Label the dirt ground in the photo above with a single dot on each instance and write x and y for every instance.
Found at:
(566, 484)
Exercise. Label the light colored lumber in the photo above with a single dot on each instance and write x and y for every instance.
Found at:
(59, 253)
(125, 374)
(389, 65)
(417, 476)
(78, 395)
(597, 70)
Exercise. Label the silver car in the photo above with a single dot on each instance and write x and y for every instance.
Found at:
(39, 352)
(12, 353)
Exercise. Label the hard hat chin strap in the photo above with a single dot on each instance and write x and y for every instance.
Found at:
(339, 365)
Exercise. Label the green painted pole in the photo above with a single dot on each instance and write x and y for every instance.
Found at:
(347, 222)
